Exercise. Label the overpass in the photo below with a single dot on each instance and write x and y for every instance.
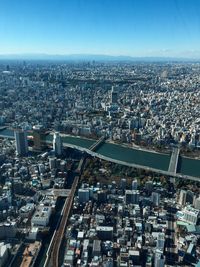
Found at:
(80, 165)
(97, 144)
(146, 168)
(133, 165)
(53, 252)
(56, 192)
(174, 160)
(171, 170)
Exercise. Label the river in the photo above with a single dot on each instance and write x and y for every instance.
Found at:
(186, 166)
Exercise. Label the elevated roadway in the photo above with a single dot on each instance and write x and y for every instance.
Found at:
(96, 145)
(174, 160)
(171, 170)
(56, 192)
(167, 173)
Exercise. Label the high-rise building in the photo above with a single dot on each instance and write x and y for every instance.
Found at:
(182, 197)
(57, 144)
(96, 251)
(21, 143)
(134, 184)
(189, 197)
(52, 163)
(37, 140)
(114, 95)
(37, 137)
(155, 198)
(160, 241)
(102, 196)
(83, 195)
(197, 203)
(132, 196)
(123, 184)
(149, 186)
(159, 259)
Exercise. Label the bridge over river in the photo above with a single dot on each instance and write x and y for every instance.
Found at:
(174, 160)
(174, 165)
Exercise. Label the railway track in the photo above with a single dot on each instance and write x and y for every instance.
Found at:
(58, 237)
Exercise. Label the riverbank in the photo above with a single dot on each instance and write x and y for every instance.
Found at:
(136, 147)
(126, 154)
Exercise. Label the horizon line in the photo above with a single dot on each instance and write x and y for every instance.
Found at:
(41, 55)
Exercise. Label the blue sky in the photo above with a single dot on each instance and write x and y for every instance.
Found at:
(113, 27)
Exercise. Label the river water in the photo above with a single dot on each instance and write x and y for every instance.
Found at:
(159, 161)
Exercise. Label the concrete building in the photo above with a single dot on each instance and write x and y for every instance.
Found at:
(132, 196)
(197, 203)
(41, 216)
(123, 183)
(83, 195)
(37, 139)
(190, 215)
(114, 95)
(96, 250)
(52, 163)
(134, 184)
(159, 259)
(3, 254)
(149, 186)
(182, 197)
(189, 197)
(21, 143)
(8, 229)
(160, 241)
(155, 198)
(57, 144)
(105, 232)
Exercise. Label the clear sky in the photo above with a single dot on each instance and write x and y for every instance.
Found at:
(112, 27)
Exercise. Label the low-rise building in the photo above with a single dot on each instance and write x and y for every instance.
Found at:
(41, 216)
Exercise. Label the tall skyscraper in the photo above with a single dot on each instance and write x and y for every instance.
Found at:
(37, 139)
(182, 197)
(114, 95)
(21, 143)
(57, 144)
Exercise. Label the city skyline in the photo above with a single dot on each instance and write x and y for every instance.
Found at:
(117, 28)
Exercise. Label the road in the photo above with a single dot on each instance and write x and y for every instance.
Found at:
(174, 160)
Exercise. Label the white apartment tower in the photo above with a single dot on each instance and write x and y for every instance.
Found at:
(57, 144)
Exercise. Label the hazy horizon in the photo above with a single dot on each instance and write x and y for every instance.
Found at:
(96, 57)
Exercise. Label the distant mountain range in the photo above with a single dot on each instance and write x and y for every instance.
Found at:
(90, 57)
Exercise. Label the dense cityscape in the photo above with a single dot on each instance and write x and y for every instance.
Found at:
(152, 105)
(64, 206)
